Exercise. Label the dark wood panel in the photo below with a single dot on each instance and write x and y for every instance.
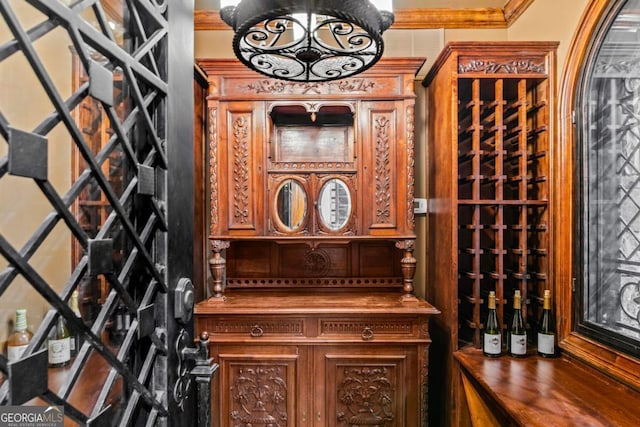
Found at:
(265, 259)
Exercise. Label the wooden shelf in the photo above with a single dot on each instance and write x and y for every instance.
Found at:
(545, 392)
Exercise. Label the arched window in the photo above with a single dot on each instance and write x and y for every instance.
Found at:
(606, 238)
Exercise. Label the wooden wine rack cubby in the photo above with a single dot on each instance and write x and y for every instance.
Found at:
(490, 142)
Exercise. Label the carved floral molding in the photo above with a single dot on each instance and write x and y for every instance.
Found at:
(514, 66)
(383, 170)
(259, 396)
(241, 170)
(411, 179)
(366, 394)
(213, 164)
(344, 86)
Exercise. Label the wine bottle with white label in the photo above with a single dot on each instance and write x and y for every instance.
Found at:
(20, 338)
(517, 332)
(547, 329)
(492, 337)
(59, 344)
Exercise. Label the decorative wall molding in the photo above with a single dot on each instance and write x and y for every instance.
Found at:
(419, 18)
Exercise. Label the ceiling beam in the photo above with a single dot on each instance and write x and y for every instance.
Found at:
(422, 18)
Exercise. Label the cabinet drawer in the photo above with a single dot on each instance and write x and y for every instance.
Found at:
(368, 329)
(254, 327)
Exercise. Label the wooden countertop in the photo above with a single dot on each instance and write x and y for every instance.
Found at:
(535, 391)
(278, 303)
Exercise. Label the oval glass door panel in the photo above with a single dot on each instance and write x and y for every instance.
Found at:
(334, 204)
(291, 204)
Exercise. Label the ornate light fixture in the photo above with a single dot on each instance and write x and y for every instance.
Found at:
(308, 40)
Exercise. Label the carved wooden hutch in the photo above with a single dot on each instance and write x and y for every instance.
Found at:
(312, 315)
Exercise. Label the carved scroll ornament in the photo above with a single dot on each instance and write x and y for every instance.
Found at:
(509, 66)
(344, 86)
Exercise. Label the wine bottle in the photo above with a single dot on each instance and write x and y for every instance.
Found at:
(20, 338)
(517, 332)
(546, 329)
(59, 344)
(492, 337)
(74, 342)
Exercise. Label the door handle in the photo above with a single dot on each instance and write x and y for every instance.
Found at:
(367, 333)
(194, 364)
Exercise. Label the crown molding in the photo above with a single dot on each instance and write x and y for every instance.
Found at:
(513, 9)
(413, 19)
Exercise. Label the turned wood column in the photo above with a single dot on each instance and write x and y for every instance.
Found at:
(218, 266)
(408, 266)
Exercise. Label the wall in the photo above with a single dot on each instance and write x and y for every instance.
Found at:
(550, 20)
(23, 207)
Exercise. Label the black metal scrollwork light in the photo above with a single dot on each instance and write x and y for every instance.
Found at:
(308, 40)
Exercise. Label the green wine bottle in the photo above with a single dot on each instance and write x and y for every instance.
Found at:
(547, 329)
(492, 336)
(75, 341)
(517, 332)
(59, 344)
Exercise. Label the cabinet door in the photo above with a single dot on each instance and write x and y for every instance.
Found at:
(383, 178)
(366, 385)
(239, 155)
(260, 386)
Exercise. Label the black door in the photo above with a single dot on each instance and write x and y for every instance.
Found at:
(96, 203)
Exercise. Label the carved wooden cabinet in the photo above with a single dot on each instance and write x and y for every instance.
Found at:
(312, 315)
(303, 359)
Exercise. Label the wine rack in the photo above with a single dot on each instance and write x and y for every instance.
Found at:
(503, 147)
(490, 146)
